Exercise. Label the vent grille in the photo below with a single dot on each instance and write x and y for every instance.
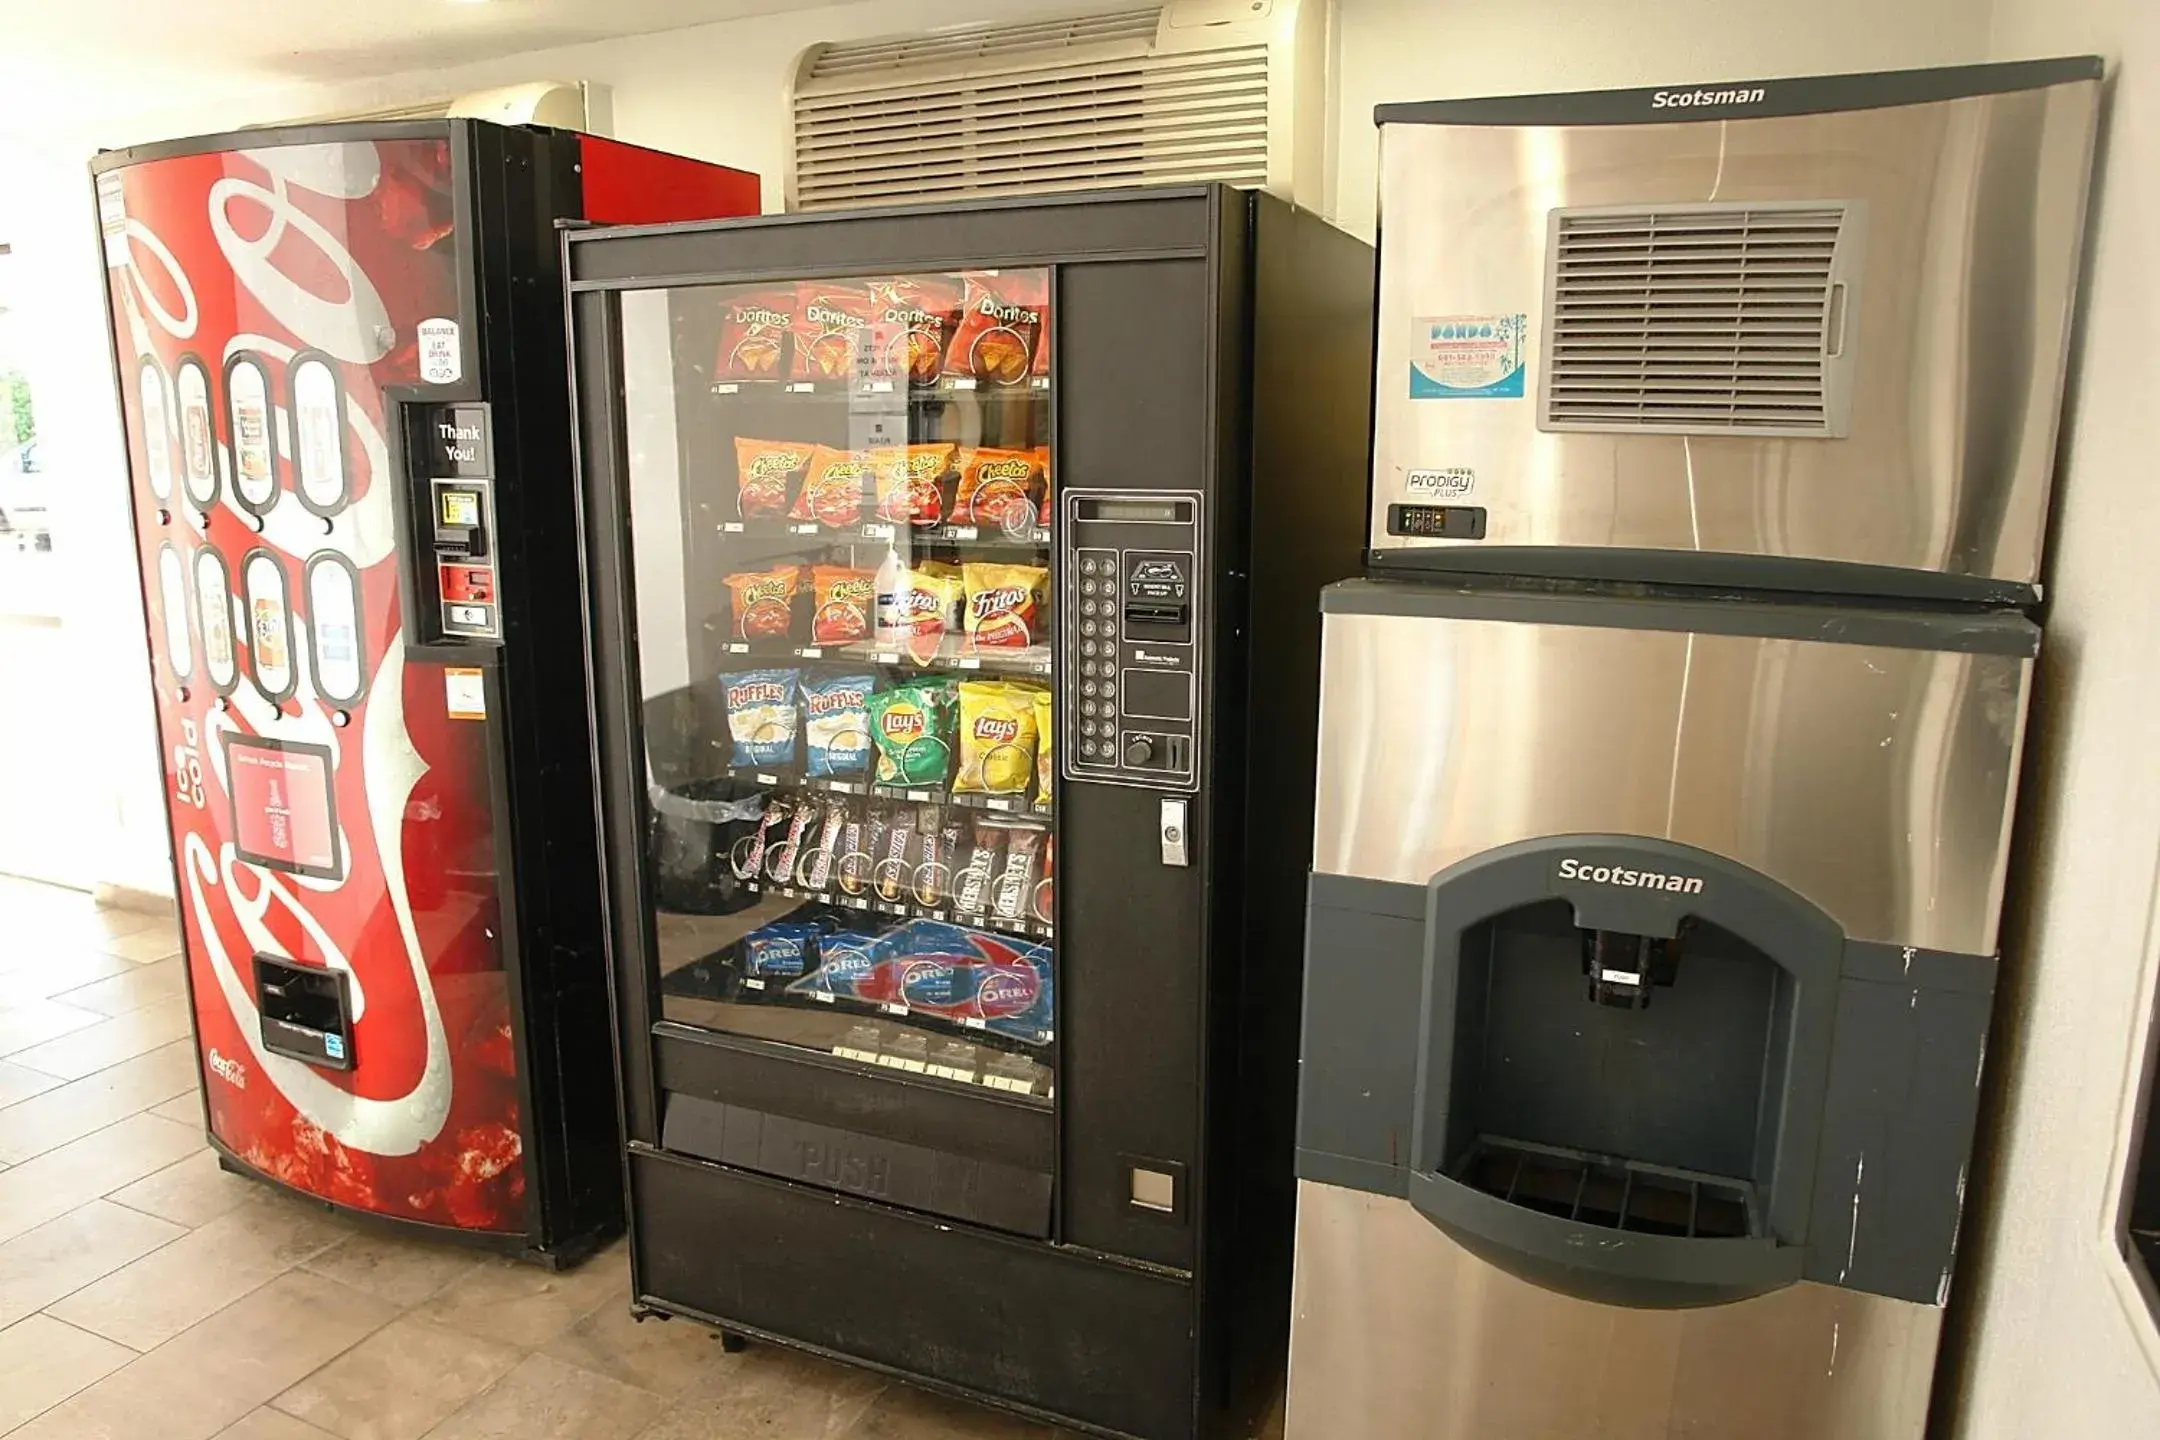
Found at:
(1064, 105)
(1699, 319)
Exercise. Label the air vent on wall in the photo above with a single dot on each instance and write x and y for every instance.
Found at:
(1701, 319)
(1191, 90)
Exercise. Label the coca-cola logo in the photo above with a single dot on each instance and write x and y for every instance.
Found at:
(232, 1072)
(758, 692)
(827, 702)
(998, 601)
(996, 728)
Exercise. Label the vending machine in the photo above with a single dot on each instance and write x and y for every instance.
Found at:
(340, 361)
(953, 575)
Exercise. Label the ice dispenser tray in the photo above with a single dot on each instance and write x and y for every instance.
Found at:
(1636, 1072)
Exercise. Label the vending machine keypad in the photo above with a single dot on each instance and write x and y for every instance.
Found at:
(1132, 657)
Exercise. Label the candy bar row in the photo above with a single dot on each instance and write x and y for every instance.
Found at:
(989, 328)
(863, 851)
(1003, 730)
(915, 485)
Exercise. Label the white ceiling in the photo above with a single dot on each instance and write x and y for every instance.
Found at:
(64, 60)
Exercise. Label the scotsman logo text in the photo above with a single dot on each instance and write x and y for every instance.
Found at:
(1573, 869)
(1683, 99)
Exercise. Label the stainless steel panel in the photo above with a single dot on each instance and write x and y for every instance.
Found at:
(1876, 782)
(1974, 208)
(1398, 1333)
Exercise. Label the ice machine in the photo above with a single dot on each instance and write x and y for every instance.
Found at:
(1668, 752)
(340, 364)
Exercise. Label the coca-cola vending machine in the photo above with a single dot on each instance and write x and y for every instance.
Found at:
(340, 357)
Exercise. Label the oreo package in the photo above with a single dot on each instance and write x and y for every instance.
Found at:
(778, 949)
(852, 965)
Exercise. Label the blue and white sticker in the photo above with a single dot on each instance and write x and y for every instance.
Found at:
(1468, 357)
(333, 1045)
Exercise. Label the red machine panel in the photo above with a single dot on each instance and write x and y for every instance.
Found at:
(325, 805)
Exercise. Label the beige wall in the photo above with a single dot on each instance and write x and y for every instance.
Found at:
(2055, 1339)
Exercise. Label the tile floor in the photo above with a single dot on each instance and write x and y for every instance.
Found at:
(147, 1295)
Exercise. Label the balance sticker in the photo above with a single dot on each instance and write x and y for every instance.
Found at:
(1468, 357)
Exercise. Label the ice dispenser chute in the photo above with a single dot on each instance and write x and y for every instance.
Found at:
(1643, 1075)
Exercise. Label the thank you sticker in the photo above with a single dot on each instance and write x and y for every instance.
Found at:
(1449, 482)
(1467, 357)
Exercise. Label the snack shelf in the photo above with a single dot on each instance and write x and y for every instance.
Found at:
(1035, 387)
(884, 530)
(952, 654)
(774, 777)
(870, 904)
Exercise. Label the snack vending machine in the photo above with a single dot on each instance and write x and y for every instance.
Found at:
(341, 368)
(953, 575)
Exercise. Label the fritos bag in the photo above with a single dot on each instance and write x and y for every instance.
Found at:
(1000, 322)
(921, 609)
(833, 487)
(1005, 605)
(765, 472)
(912, 319)
(761, 603)
(911, 483)
(997, 738)
(998, 488)
(832, 331)
(753, 332)
(840, 599)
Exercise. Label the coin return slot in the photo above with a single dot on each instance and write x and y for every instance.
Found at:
(1154, 1190)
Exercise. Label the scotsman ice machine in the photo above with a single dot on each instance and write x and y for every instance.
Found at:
(1668, 751)
(340, 359)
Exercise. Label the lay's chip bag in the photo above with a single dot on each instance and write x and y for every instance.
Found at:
(913, 727)
(997, 738)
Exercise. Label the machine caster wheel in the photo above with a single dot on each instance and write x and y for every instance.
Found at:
(733, 1344)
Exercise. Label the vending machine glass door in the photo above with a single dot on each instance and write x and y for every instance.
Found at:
(840, 508)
